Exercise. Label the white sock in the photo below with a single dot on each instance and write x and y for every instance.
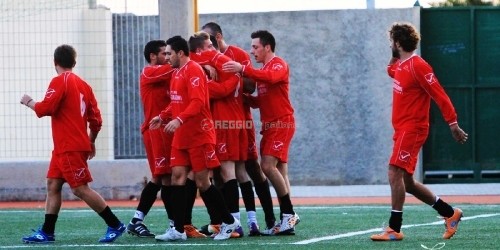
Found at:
(236, 215)
(252, 216)
(139, 215)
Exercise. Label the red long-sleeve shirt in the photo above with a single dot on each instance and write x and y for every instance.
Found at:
(155, 91)
(71, 104)
(190, 104)
(273, 89)
(414, 85)
(225, 94)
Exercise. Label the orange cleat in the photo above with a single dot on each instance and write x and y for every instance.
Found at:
(387, 235)
(451, 223)
(192, 232)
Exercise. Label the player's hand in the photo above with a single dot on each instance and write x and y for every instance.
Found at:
(172, 126)
(155, 122)
(458, 134)
(92, 152)
(212, 72)
(26, 100)
(232, 66)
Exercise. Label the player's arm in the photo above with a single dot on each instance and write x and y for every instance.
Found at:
(275, 74)
(53, 96)
(158, 74)
(218, 90)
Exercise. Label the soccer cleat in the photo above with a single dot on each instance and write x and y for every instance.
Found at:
(113, 233)
(192, 232)
(171, 235)
(39, 237)
(288, 224)
(451, 223)
(226, 230)
(239, 231)
(212, 230)
(140, 230)
(271, 230)
(253, 229)
(387, 235)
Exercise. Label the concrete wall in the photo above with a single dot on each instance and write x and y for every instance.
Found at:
(339, 87)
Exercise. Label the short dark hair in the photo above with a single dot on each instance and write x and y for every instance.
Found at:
(406, 35)
(214, 27)
(196, 41)
(65, 56)
(153, 46)
(177, 43)
(266, 38)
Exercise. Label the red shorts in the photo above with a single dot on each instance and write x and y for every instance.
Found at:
(158, 145)
(252, 146)
(198, 158)
(231, 144)
(70, 166)
(276, 137)
(407, 144)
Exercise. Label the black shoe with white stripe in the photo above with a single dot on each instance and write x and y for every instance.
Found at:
(140, 230)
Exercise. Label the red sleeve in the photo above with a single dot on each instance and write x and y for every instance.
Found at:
(391, 69)
(156, 74)
(166, 113)
(427, 79)
(53, 96)
(210, 57)
(278, 72)
(94, 117)
(220, 90)
(196, 93)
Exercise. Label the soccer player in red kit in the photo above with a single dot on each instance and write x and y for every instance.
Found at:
(252, 166)
(193, 142)
(278, 124)
(154, 87)
(71, 104)
(414, 84)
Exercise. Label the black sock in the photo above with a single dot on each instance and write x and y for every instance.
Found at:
(190, 198)
(179, 194)
(232, 195)
(166, 197)
(212, 197)
(148, 198)
(443, 208)
(286, 206)
(49, 226)
(109, 217)
(248, 195)
(396, 220)
(264, 194)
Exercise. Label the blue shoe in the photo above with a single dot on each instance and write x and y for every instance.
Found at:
(253, 229)
(39, 237)
(113, 233)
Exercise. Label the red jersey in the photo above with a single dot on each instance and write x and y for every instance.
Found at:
(155, 91)
(190, 104)
(273, 82)
(414, 86)
(72, 106)
(239, 55)
(227, 100)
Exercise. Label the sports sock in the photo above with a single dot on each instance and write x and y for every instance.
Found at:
(212, 197)
(109, 217)
(190, 198)
(49, 225)
(286, 206)
(166, 197)
(179, 194)
(231, 195)
(148, 197)
(396, 220)
(264, 194)
(443, 208)
(248, 195)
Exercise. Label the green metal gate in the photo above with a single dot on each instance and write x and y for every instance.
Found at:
(463, 46)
